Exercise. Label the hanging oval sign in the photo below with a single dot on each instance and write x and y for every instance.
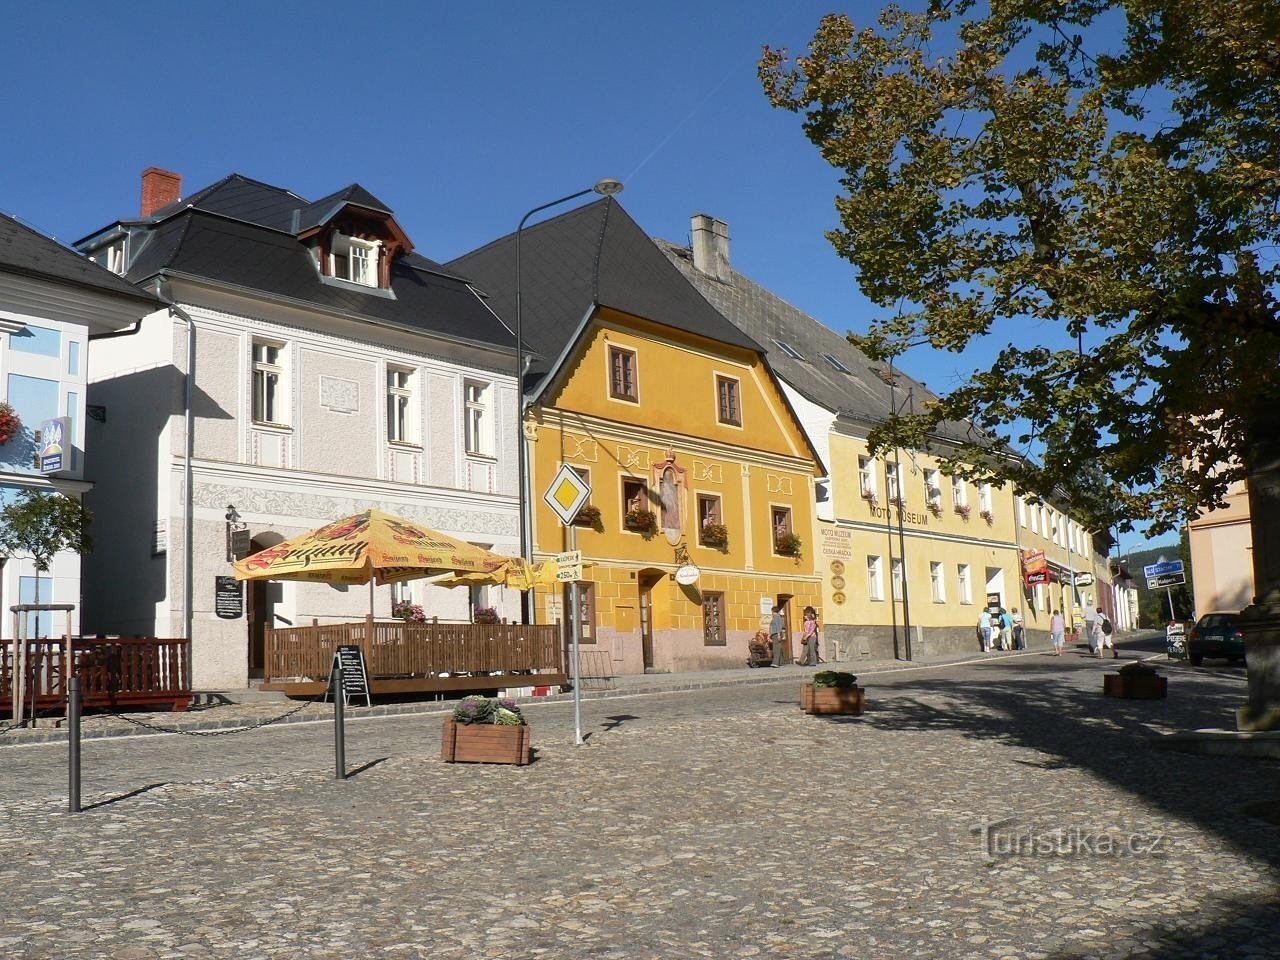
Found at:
(687, 575)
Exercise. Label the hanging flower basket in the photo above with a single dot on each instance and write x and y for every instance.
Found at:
(10, 422)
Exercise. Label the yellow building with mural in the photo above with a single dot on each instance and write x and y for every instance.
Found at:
(696, 460)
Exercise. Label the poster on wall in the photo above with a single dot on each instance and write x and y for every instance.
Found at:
(837, 543)
(55, 445)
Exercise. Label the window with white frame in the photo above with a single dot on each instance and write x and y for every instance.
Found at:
(866, 478)
(401, 426)
(1035, 518)
(936, 585)
(1021, 507)
(110, 256)
(895, 577)
(984, 497)
(933, 487)
(959, 492)
(966, 590)
(477, 423)
(1053, 528)
(354, 260)
(892, 488)
(269, 401)
(875, 582)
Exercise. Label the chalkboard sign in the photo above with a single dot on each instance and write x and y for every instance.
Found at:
(355, 679)
(228, 598)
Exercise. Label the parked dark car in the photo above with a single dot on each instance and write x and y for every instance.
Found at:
(1215, 635)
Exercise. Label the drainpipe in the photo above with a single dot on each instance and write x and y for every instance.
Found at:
(188, 447)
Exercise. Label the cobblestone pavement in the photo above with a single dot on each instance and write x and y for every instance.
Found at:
(719, 822)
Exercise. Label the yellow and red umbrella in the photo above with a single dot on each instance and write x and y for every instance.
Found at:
(368, 547)
(516, 573)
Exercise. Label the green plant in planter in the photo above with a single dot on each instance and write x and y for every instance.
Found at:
(589, 516)
(788, 544)
(834, 678)
(504, 712)
(641, 521)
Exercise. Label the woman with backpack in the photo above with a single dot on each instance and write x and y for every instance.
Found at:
(1105, 629)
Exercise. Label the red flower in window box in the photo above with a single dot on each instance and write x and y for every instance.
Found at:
(640, 521)
(589, 516)
(10, 423)
(715, 535)
(988, 516)
(964, 510)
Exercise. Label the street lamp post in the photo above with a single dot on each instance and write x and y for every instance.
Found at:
(605, 188)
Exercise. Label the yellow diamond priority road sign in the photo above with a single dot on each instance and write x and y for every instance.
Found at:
(567, 493)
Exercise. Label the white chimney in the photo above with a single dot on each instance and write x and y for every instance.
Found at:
(711, 246)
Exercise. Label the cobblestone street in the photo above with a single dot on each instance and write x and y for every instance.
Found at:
(718, 822)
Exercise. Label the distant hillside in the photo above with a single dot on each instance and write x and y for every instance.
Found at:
(1153, 605)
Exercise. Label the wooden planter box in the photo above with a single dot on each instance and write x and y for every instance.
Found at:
(1141, 687)
(819, 700)
(484, 743)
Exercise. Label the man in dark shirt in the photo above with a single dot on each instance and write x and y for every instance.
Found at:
(776, 626)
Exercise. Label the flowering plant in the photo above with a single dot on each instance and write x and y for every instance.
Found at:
(640, 520)
(589, 516)
(988, 516)
(485, 615)
(10, 423)
(963, 509)
(411, 612)
(871, 498)
(935, 508)
(715, 535)
(787, 544)
(504, 712)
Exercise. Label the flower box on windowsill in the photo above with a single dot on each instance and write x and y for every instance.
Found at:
(988, 516)
(787, 545)
(963, 509)
(935, 508)
(715, 535)
(872, 500)
(591, 517)
(640, 521)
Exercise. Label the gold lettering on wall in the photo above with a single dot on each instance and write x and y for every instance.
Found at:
(631, 458)
(778, 484)
(708, 472)
(581, 448)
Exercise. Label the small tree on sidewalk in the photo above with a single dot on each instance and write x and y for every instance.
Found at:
(41, 525)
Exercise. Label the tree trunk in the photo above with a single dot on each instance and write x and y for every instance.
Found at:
(1260, 621)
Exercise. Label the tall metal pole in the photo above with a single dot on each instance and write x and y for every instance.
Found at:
(575, 628)
(73, 744)
(605, 188)
(339, 722)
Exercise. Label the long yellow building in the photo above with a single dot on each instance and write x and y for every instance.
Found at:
(695, 457)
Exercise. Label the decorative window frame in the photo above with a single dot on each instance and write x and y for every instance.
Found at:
(477, 435)
(357, 250)
(279, 368)
(722, 379)
(408, 393)
(622, 396)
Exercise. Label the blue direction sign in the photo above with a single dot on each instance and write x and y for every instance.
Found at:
(1164, 568)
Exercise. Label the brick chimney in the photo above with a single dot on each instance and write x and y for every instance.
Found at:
(159, 189)
(711, 246)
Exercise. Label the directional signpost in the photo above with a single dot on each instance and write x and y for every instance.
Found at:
(1167, 574)
(566, 496)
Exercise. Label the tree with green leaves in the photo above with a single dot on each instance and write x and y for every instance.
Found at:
(1002, 177)
(1045, 174)
(41, 525)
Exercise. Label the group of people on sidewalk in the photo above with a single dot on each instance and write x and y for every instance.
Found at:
(1002, 630)
(808, 637)
(1097, 630)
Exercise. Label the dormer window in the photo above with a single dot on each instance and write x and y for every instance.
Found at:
(354, 260)
(110, 256)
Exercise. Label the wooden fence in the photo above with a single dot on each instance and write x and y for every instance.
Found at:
(406, 657)
(137, 671)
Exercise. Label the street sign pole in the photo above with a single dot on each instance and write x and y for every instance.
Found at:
(1168, 592)
(576, 640)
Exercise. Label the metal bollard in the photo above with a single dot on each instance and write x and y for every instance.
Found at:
(73, 745)
(339, 724)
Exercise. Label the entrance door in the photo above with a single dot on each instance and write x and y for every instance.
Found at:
(261, 608)
(784, 607)
(646, 617)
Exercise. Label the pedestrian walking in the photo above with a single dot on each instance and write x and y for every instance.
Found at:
(809, 637)
(984, 630)
(1105, 630)
(1057, 632)
(1006, 629)
(776, 625)
(1019, 635)
(1091, 633)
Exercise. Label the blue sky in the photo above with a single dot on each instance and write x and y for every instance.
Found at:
(461, 117)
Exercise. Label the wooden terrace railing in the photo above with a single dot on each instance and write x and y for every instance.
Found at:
(114, 671)
(404, 657)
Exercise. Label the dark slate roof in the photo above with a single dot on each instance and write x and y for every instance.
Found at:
(595, 254)
(241, 232)
(29, 252)
(861, 394)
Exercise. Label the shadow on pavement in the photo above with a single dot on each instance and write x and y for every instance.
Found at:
(123, 796)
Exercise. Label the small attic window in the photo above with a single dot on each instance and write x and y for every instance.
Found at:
(354, 260)
(836, 364)
(110, 256)
(789, 350)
